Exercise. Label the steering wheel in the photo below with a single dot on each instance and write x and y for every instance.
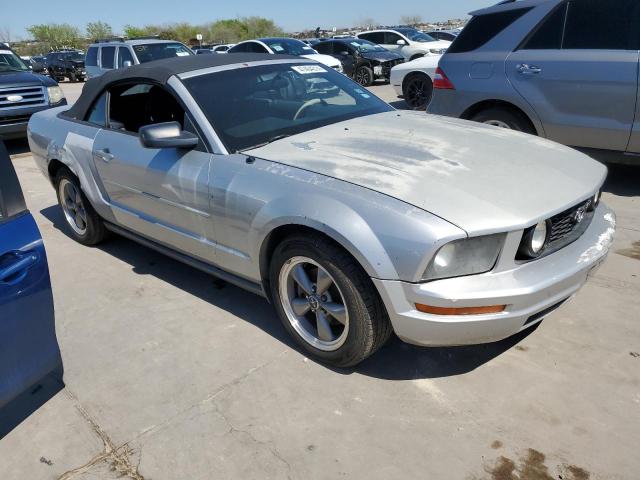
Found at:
(306, 105)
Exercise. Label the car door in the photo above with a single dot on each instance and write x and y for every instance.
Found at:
(30, 362)
(579, 72)
(391, 40)
(347, 56)
(160, 193)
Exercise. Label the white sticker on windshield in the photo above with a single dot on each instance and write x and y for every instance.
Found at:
(277, 48)
(308, 69)
(182, 54)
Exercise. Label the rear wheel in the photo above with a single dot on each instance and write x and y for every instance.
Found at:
(364, 76)
(417, 90)
(84, 223)
(504, 118)
(326, 302)
(73, 78)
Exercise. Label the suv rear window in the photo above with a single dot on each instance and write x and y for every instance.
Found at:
(92, 57)
(483, 28)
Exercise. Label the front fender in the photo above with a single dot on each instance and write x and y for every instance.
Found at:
(335, 219)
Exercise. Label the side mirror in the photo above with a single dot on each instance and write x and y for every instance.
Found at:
(167, 135)
(401, 42)
(127, 63)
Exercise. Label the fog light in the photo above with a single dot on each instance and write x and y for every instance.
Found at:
(539, 238)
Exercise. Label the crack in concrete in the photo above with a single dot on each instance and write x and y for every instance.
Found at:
(269, 444)
(210, 397)
(118, 458)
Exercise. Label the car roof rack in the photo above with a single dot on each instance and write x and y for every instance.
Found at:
(109, 40)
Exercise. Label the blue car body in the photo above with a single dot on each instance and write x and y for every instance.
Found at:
(30, 361)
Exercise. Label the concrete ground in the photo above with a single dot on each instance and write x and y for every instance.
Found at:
(171, 377)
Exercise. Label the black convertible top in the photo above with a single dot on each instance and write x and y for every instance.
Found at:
(160, 71)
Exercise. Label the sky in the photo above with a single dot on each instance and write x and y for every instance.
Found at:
(290, 15)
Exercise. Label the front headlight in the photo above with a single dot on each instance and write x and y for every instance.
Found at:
(468, 256)
(56, 95)
(340, 69)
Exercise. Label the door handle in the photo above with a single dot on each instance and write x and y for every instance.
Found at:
(525, 69)
(19, 264)
(104, 155)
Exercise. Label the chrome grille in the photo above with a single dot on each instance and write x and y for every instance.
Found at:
(21, 97)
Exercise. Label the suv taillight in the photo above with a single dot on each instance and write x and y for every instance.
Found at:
(441, 81)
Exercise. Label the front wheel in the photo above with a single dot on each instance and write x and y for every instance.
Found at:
(364, 76)
(326, 301)
(84, 223)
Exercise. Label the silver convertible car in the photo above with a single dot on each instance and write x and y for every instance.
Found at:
(355, 220)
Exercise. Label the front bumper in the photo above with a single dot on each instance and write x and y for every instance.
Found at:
(14, 122)
(531, 291)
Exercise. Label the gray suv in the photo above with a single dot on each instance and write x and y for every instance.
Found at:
(106, 55)
(566, 70)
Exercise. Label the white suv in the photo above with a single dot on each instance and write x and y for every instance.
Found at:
(406, 41)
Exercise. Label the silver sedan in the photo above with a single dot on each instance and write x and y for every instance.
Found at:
(355, 220)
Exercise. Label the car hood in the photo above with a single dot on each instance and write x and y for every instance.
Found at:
(15, 79)
(327, 60)
(381, 56)
(481, 178)
(437, 45)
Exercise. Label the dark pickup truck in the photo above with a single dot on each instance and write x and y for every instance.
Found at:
(66, 64)
(23, 93)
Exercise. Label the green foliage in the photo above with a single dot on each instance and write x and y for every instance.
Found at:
(98, 29)
(413, 20)
(56, 35)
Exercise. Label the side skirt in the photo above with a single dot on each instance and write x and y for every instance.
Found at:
(248, 285)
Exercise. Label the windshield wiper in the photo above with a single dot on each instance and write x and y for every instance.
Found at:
(264, 144)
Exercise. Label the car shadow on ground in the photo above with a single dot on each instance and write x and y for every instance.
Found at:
(623, 180)
(396, 361)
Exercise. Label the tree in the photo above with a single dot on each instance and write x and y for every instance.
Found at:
(413, 20)
(56, 36)
(5, 34)
(132, 31)
(99, 29)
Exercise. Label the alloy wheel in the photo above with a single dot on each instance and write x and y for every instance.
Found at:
(416, 93)
(73, 206)
(363, 77)
(498, 123)
(313, 304)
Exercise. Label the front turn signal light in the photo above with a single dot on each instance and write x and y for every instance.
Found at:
(460, 311)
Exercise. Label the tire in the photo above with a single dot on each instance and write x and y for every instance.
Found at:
(73, 78)
(84, 224)
(364, 76)
(417, 90)
(364, 326)
(504, 118)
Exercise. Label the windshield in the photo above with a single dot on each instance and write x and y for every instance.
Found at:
(149, 52)
(252, 106)
(75, 57)
(364, 46)
(10, 62)
(416, 36)
(283, 46)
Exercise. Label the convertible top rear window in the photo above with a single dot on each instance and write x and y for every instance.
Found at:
(252, 106)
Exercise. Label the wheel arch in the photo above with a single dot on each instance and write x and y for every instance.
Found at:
(476, 108)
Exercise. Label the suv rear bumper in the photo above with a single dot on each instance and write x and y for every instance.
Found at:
(531, 291)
